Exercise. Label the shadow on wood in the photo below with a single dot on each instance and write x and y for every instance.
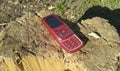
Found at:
(104, 12)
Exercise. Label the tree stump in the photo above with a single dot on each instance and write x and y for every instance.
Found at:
(25, 45)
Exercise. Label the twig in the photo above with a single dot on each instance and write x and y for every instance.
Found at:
(2, 24)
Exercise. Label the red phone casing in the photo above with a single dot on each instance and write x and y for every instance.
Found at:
(64, 35)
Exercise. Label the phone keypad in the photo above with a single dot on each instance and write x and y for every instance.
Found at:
(72, 42)
(64, 32)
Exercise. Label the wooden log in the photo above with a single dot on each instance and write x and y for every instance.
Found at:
(25, 45)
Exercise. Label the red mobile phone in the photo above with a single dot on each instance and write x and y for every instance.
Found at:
(62, 33)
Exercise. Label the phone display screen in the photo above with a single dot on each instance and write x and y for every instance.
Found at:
(53, 21)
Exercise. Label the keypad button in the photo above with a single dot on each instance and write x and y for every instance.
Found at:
(72, 42)
(63, 31)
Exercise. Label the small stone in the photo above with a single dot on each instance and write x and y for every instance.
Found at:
(72, 16)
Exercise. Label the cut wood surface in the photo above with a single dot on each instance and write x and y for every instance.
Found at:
(26, 45)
